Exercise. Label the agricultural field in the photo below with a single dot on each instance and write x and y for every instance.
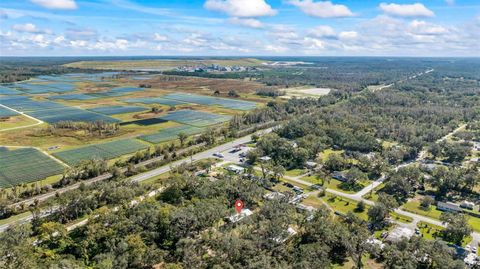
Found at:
(5, 112)
(159, 65)
(8, 91)
(113, 110)
(73, 96)
(209, 101)
(25, 165)
(170, 134)
(114, 97)
(195, 118)
(154, 100)
(31, 88)
(106, 151)
(51, 112)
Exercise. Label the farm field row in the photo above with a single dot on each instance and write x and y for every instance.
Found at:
(25, 165)
(146, 116)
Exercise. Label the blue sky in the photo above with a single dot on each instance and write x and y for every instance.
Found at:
(240, 27)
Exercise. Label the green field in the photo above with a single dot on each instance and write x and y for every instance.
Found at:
(170, 133)
(25, 165)
(105, 151)
(195, 117)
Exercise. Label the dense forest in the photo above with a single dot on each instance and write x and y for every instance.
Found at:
(185, 227)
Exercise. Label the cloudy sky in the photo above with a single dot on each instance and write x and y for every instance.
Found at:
(240, 27)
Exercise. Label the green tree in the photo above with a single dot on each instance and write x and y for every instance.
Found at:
(182, 137)
(457, 227)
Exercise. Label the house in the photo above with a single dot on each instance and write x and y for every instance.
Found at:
(310, 165)
(273, 195)
(238, 217)
(265, 159)
(282, 239)
(235, 169)
(467, 205)
(375, 242)
(398, 233)
(339, 176)
(429, 166)
(297, 199)
(476, 146)
(471, 260)
(448, 207)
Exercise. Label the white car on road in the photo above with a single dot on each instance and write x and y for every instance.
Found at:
(218, 155)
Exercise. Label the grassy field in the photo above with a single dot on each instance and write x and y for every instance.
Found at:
(162, 64)
(431, 232)
(414, 207)
(16, 121)
(333, 184)
(434, 213)
(326, 153)
(373, 196)
(344, 205)
(295, 172)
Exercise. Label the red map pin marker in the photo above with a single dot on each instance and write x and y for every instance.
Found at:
(238, 206)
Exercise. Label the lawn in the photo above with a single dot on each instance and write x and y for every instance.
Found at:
(156, 179)
(295, 172)
(344, 205)
(326, 153)
(431, 232)
(334, 184)
(434, 213)
(305, 187)
(15, 218)
(414, 207)
(373, 196)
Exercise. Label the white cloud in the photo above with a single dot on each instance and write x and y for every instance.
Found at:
(59, 40)
(78, 43)
(40, 40)
(313, 43)
(450, 2)
(348, 35)
(56, 4)
(119, 44)
(424, 28)
(28, 28)
(275, 48)
(159, 37)
(407, 10)
(249, 22)
(81, 33)
(241, 8)
(322, 9)
(323, 31)
(197, 40)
